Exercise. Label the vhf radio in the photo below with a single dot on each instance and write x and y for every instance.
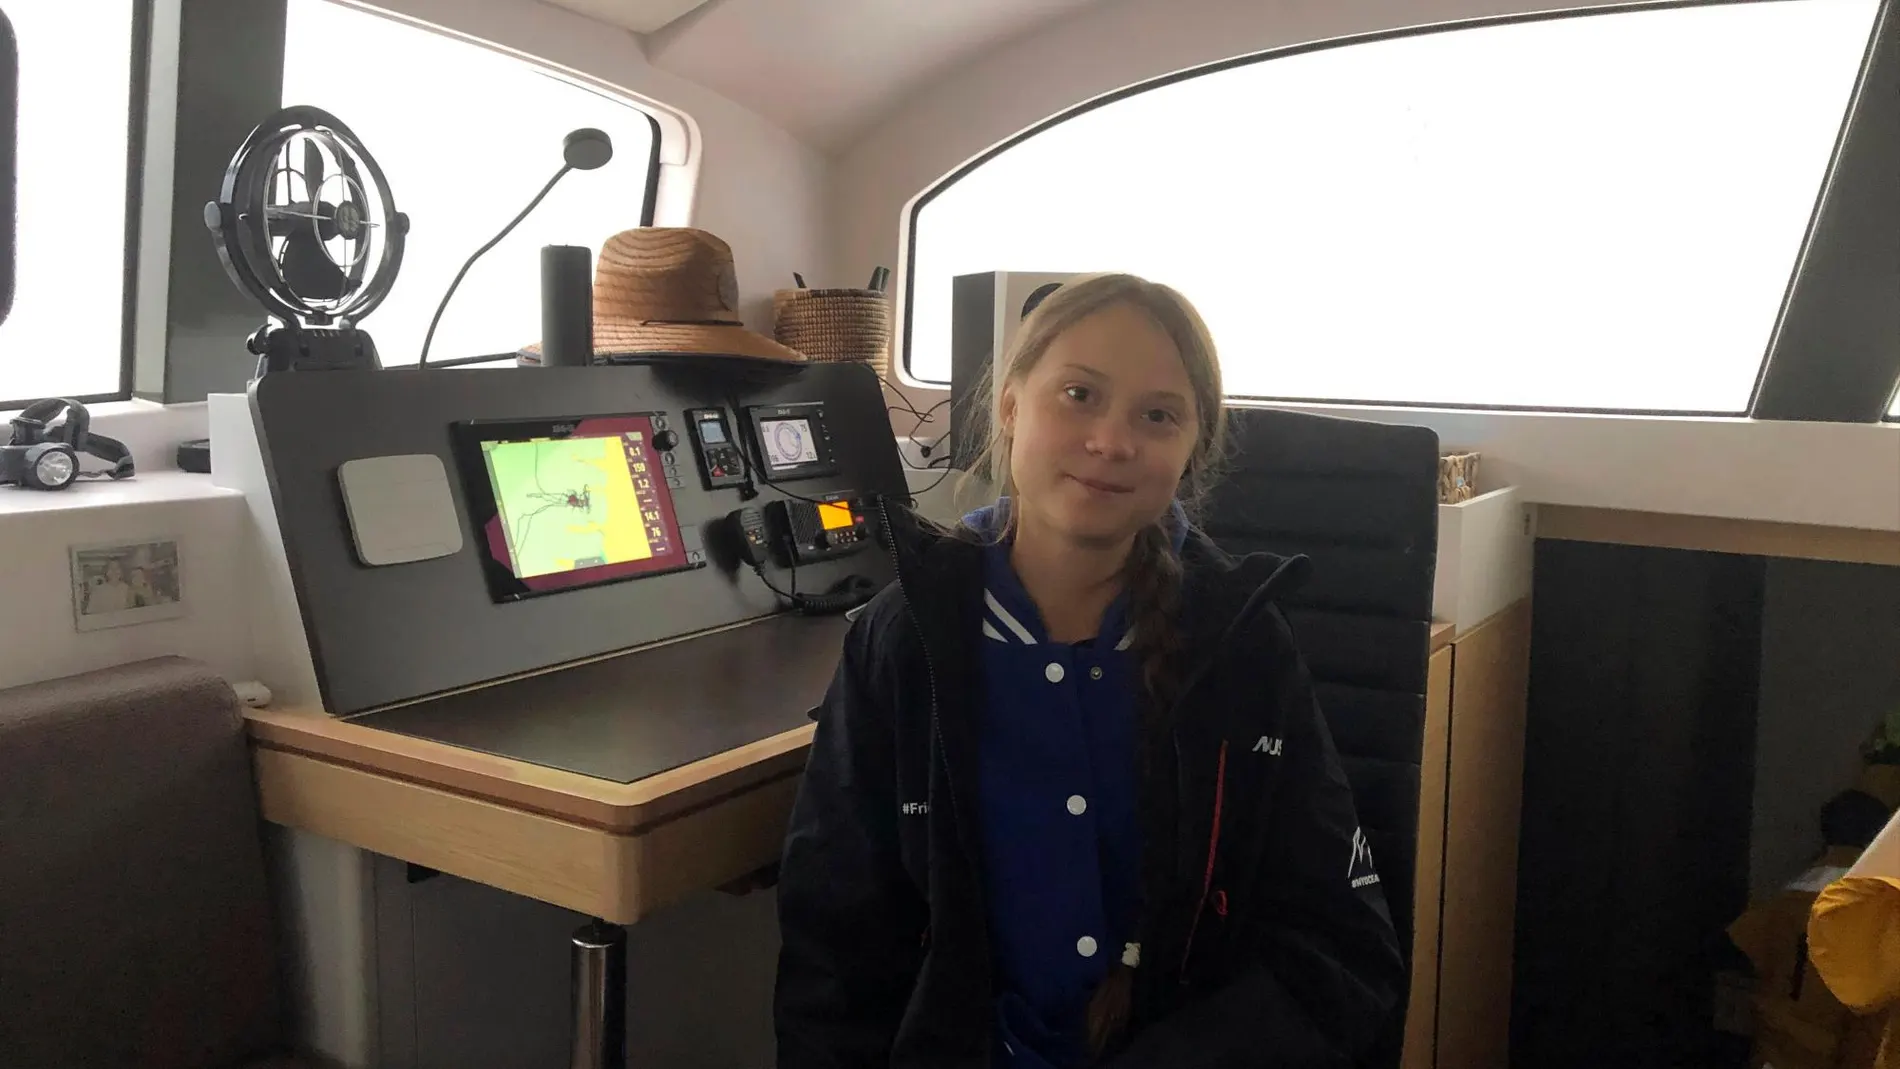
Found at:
(801, 532)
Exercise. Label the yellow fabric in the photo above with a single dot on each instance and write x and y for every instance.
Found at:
(1854, 942)
(1799, 1022)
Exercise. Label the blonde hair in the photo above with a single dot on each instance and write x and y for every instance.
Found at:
(1152, 573)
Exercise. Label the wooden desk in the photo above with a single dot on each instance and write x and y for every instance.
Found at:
(619, 851)
(613, 850)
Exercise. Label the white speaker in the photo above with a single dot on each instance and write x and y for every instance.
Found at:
(986, 311)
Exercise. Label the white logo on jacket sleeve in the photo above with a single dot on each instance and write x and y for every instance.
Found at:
(1268, 745)
(914, 809)
(1360, 872)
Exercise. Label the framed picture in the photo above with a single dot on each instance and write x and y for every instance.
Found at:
(126, 583)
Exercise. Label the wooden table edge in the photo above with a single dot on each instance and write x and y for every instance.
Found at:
(622, 808)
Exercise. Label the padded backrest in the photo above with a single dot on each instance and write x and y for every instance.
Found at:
(1361, 500)
(135, 926)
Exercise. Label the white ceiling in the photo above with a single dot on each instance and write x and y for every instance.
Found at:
(640, 16)
(823, 69)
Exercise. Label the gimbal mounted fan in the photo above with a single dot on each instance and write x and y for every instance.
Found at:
(304, 223)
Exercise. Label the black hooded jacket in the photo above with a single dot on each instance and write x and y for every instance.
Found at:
(1266, 940)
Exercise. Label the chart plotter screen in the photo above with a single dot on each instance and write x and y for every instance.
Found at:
(574, 503)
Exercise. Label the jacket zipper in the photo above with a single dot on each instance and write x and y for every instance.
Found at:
(1213, 852)
(1247, 610)
(930, 665)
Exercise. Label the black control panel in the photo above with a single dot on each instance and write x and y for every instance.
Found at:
(570, 485)
(805, 531)
(721, 463)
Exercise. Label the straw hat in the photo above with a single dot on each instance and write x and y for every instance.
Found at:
(661, 289)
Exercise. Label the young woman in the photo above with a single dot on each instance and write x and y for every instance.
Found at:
(1071, 801)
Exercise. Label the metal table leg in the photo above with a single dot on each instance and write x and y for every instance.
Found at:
(599, 958)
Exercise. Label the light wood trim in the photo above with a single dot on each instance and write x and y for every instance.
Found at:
(1421, 1020)
(1717, 535)
(1484, 803)
(1443, 631)
(527, 853)
(619, 878)
(615, 807)
(711, 847)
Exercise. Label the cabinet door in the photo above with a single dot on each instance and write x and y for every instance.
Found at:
(1484, 805)
(1421, 1017)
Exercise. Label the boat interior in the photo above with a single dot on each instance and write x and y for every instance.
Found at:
(1562, 339)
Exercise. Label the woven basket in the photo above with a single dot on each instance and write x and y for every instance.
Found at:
(835, 324)
(1457, 477)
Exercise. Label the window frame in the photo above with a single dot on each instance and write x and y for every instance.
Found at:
(1833, 356)
(137, 107)
(1797, 385)
(216, 106)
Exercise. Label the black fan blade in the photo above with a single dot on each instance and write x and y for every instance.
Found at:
(308, 270)
(312, 169)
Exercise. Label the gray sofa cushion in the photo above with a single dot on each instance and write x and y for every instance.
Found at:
(135, 925)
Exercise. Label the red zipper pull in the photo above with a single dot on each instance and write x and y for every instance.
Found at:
(1213, 853)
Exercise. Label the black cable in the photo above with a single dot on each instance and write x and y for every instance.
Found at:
(759, 570)
(927, 416)
(466, 361)
(925, 450)
(801, 497)
(428, 338)
(947, 469)
(908, 405)
(847, 594)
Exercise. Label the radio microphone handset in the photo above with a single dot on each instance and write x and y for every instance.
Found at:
(749, 537)
(582, 150)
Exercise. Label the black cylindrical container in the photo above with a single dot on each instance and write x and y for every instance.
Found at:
(567, 306)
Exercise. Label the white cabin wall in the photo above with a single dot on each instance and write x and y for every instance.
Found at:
(37, 533)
